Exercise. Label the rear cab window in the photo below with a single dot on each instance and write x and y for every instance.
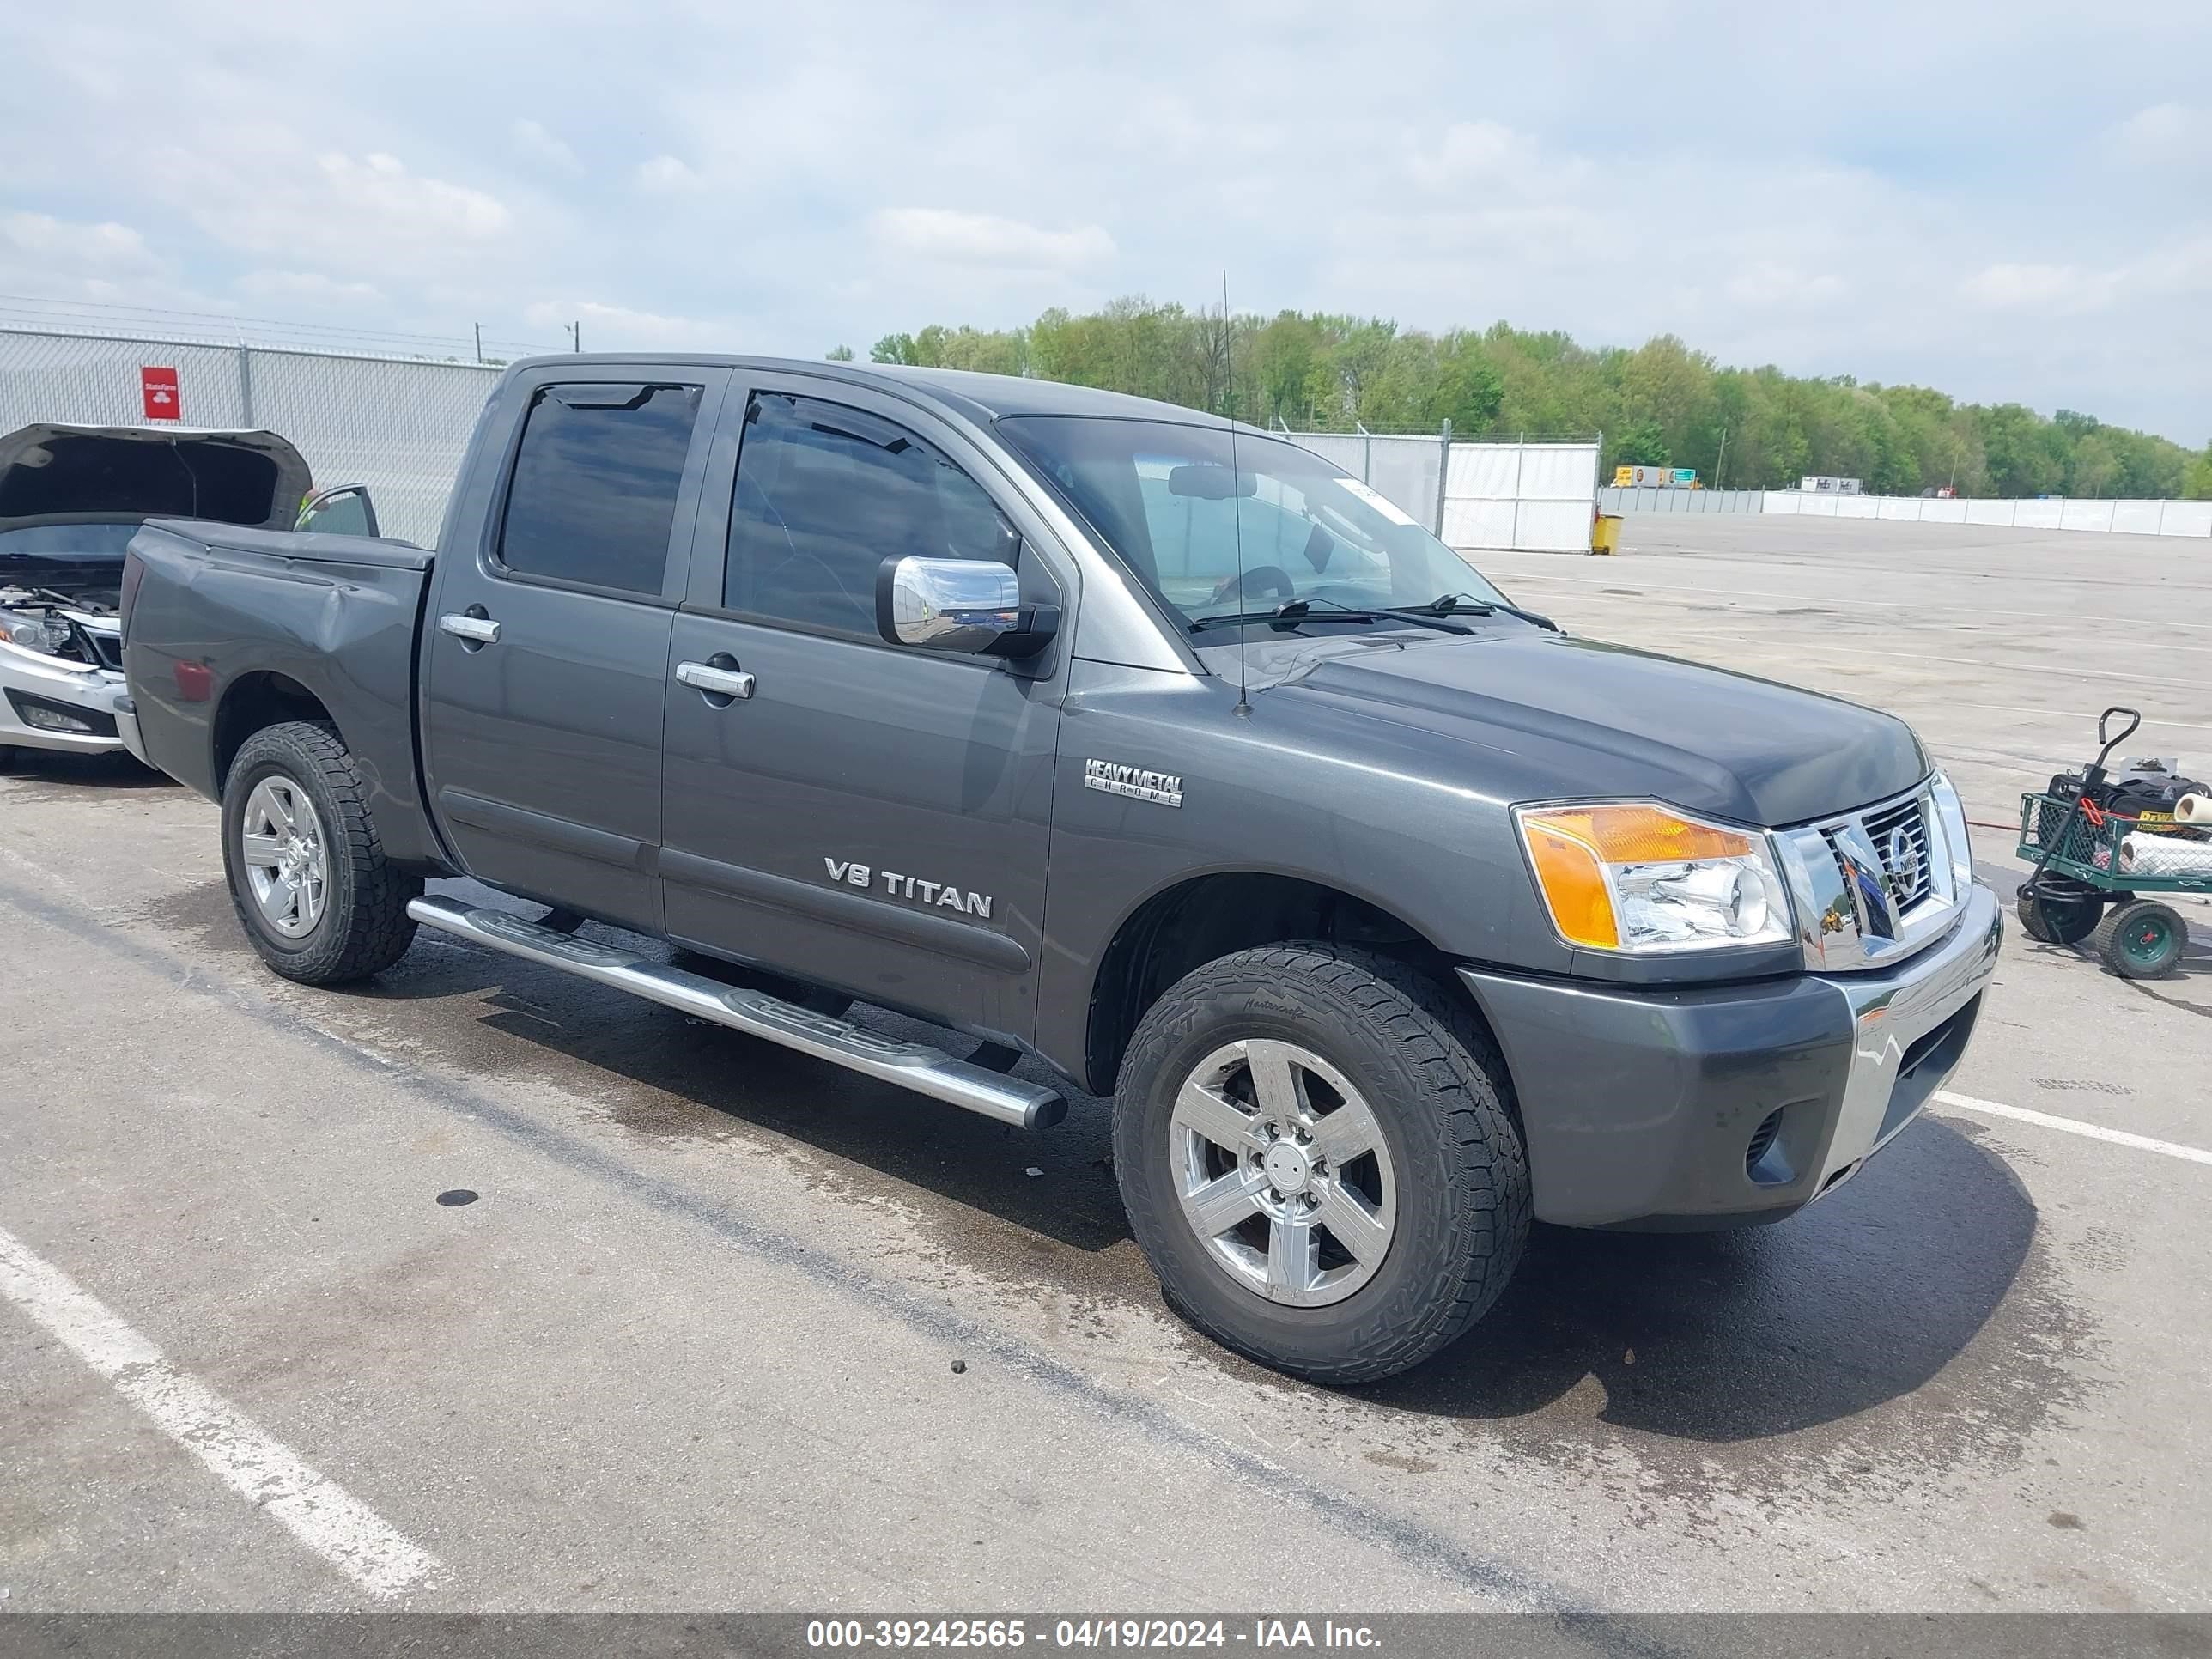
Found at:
(592, 500)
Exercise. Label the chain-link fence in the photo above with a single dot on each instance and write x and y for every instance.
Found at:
(398, 425)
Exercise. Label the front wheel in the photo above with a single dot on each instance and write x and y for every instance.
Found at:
(1318, 1153)
(308, 874)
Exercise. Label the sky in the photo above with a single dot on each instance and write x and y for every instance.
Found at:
(2009, 202)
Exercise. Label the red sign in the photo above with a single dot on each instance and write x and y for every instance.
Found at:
(158, 387)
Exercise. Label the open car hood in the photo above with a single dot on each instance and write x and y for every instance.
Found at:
(53, 474)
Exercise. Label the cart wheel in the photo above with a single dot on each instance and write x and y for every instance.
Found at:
(2059, 919)
(2141, 939)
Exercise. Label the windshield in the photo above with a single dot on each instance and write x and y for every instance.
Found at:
(68, 541)
(1162, 495)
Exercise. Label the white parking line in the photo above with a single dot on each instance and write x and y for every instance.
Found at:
(236, 1450)
(2072, 1126)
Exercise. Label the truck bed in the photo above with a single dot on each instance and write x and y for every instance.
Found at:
(220, 620)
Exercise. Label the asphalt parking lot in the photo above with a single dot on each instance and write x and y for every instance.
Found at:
(694, 1345)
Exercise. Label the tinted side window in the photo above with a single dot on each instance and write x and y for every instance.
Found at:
(825, 495)
(595, 481)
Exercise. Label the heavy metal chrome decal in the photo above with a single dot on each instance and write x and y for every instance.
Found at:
(943, 894)
(1161, 788)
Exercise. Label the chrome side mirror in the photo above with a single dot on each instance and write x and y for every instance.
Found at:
(969, 605)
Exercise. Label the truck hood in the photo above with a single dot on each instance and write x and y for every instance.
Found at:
(52, 474)
(1585, 719)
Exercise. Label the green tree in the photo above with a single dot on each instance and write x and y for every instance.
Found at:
(842, 354)
(1643, 444)
(2197, 478)
(1662, 402)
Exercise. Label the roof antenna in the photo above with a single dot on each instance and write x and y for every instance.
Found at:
(1235, 500)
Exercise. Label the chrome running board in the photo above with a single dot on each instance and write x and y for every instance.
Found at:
(910, 1065)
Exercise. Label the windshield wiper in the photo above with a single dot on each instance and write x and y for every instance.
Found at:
(1299, 611)
(1448, 605)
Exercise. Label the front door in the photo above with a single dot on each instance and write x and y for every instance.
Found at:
(545, 668)
(856, 813)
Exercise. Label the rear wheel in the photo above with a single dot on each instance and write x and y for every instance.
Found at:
(2059, 917)
(1318, 1158)
(308, 874)
(2142, 940)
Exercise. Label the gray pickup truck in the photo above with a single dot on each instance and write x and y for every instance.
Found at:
(1104, 733)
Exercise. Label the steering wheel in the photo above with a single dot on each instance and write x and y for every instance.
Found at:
(1277, 580)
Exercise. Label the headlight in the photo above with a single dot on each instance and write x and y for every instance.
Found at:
(1951, 813)
(1641, 878)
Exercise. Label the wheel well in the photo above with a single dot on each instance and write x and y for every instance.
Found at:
(255, 701)
(1210, 916)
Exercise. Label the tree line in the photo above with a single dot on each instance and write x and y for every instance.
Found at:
(1661, 403)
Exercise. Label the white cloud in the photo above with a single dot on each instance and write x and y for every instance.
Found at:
(619, 328)
(307, 288)
(667, 175)
(360, 214)
(103, 249)
(1769, 282)
(533, 140)
(982, 238)
(2165, 136)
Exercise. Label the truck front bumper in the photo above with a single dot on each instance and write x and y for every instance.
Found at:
(1725, 1106)
(48, 704)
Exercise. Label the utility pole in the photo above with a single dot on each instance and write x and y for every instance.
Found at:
(576, 338)
(479, 328)
(1722, 459)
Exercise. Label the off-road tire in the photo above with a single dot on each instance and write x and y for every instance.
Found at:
(364, 927)
(1443, 1096)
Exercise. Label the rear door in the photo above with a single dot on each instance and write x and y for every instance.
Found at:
(545, 668)
(863, 815)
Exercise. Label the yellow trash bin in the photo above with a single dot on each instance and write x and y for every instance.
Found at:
(1605, 534)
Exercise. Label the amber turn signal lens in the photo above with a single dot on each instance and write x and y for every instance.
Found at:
(1640, 835)
(1574, 887)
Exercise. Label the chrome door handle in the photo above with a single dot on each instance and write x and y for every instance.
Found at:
(721, 682)
(482, 629)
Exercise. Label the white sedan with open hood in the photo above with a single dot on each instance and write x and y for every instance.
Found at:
(70, 498)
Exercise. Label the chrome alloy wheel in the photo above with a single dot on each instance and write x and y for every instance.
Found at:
(287, 862)
(1282, 1169)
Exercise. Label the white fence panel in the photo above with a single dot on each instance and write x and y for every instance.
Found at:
(1858, 506)
(1788, 502)
(1553, 527)
(1489, 472)
(2085, 515)
(1943, 510)
(1979, 511)
(2185, 518)
(1472, 524)
(2136, 518)
(2037, 515)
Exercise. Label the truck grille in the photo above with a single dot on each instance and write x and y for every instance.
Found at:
(1899, 834)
